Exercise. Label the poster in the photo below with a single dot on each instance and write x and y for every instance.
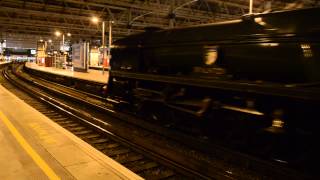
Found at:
(80, 53)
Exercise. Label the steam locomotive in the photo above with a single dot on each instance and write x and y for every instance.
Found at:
(239, 78)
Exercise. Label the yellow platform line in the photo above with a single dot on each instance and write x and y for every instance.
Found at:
(32, 153)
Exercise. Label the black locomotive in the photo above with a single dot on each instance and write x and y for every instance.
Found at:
(240, 79)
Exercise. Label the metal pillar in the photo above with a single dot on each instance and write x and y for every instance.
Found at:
(103, 34)
(110, 37)
(63, 43)
(103, 44)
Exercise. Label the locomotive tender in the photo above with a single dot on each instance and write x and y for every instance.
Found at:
(261, 72)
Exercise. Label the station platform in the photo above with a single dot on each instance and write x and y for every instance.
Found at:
(92, 74)
(4, 62)
(34, 147)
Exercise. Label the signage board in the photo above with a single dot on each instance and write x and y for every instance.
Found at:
(80, 56)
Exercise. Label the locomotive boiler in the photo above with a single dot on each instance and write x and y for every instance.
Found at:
(239, 78)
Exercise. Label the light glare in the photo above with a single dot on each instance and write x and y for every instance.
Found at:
(58, 33)
(95, 20)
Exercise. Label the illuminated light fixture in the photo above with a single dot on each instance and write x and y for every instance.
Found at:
(211, 57)
(307, 51)
(260, 21)
(57, 33)
(41, 40)
(305, 46)
(50, 41)
(69, 34)
(277, 123)
(95, 20)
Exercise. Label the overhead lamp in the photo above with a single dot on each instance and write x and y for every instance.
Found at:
(57, 33)
(95, 20)
(69, 34)
(50, 41)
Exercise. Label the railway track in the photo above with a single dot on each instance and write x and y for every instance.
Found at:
(155, 166)
(113, 146)
(141, 161)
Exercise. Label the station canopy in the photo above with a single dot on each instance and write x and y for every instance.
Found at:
(29, 20)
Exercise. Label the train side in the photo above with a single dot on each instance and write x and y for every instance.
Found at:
(258, 73)
(277, 47)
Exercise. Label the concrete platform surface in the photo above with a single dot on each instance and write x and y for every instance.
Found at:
(34, 147)
(4, 62)
(91, 75)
